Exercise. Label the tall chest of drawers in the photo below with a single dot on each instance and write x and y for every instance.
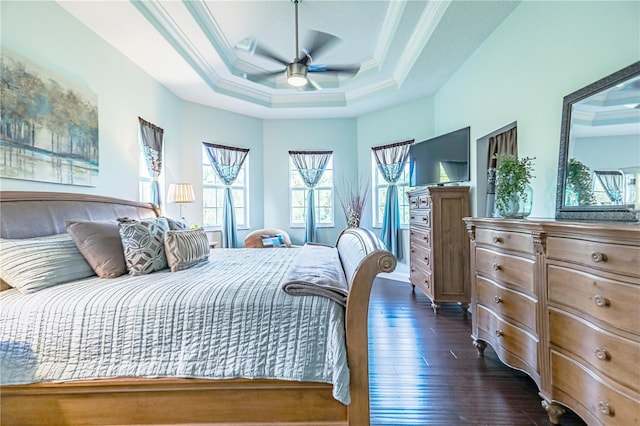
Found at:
(439, 247)
(584, 280)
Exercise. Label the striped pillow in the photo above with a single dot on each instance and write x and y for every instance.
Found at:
(32, 264)
(186, 248)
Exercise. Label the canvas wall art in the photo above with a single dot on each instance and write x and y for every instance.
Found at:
(48, 125)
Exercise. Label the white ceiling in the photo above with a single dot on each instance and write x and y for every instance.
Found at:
(406, 49)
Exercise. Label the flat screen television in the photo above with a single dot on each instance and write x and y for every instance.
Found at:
(440, 160)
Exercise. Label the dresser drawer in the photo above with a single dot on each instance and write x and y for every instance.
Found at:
(514, 270)
(421, 259)
(505, 240)
(612, 302)
(421, 279)
(500, 333)
(421, 201)
(614, 356)
(420, 217)
(420, 237)
(619, 259)
(507, 303)
(588, 396)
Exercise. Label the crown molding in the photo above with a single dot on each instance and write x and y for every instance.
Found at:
(429, 20)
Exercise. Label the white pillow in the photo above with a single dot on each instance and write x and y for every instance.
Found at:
(32, 264)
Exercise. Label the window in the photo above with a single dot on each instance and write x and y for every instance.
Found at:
(144, 178)
(323, 197)
(213, 195)
(379, 188)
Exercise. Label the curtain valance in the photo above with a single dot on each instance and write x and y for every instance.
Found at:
(152, 141)
(227, 162)
(391, 160)
(311, 165)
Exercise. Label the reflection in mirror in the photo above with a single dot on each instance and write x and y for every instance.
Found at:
(600, 150)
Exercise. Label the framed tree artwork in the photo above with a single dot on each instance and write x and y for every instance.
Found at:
(48, 125)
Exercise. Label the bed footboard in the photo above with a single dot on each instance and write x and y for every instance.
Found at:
(363, 257)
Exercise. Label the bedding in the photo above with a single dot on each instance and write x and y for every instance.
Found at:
(100, 244)
(186, 248)
(227, 318)
(33, 264)
(143, 244)
(306, 278)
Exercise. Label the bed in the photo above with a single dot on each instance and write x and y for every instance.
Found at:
(151, 396)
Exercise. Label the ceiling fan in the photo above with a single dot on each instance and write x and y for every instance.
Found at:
(297, 71)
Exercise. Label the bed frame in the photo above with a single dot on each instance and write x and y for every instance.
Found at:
(189, 401)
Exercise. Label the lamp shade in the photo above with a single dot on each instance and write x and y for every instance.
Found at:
(181, 193)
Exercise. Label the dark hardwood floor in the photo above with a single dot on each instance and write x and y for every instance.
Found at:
(424, 369)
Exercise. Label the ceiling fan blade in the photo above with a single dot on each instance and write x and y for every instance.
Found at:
(345, 69)
(318, 42)
(252, 47)
(262, 75)
(266, 53)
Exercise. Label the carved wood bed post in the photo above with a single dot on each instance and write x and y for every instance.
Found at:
(357, 326)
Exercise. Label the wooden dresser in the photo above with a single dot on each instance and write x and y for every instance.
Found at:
(561, 301)
(439, 244)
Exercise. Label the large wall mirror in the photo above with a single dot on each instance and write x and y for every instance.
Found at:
(599, 164)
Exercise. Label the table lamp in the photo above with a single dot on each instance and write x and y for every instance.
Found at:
(181, 193)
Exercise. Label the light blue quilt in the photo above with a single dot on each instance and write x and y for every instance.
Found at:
(227, 318)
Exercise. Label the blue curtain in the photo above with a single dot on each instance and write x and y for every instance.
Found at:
(226, 162)
(151, 136)
(311, 166)
(391, 160)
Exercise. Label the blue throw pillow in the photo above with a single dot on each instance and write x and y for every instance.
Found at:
(270, 241)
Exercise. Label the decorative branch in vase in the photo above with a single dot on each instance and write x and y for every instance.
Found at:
(353, 197)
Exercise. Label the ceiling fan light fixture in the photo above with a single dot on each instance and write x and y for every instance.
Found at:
(297, 74)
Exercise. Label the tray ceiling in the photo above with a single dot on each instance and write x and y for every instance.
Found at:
(407, 49)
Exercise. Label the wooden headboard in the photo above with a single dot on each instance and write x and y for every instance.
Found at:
(36, 214)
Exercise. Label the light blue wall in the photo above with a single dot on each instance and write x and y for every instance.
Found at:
(280, 136)
(541, 52)
(47, 35)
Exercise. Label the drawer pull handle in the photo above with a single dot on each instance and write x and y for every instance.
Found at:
(424, 218)
(497, 240)
(597, 257)
(425, 238)
(496, 267)
(602, 354)
(497, 299)
(600, 301)
(413, 217)
(499, 333)
(605, 409)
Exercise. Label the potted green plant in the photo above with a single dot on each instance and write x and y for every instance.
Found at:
(579, 184)
(514, 196)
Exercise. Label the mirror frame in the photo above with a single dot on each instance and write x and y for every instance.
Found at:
(607, 213)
